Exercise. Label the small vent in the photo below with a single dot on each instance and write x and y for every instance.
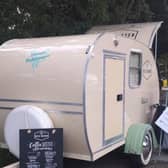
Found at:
(128, 34)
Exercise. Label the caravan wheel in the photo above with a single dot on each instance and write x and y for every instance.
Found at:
(147, 148)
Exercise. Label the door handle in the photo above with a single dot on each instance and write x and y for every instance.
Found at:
(119, 97)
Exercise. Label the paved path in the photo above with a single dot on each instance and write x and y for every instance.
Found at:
(112, 160)
(117, 160)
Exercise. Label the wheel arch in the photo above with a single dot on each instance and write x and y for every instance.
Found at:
(134, 139)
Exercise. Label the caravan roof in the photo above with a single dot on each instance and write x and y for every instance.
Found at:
(142, 32)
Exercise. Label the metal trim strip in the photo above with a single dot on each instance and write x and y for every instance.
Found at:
(108, 56)
(116, 140)
(7, 108)
(113, 53)
(66, 112)
(40, 102)
(103, 101)
(88, 53)
(52, 111)
(155, 30)
(124, 92)
(84, 103)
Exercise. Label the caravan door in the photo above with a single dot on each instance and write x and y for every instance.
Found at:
(113, 98)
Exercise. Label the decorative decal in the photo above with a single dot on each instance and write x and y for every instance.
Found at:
(147, 70)
(36, 57)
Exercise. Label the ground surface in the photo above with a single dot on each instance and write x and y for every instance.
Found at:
(6, 158)
(112, 160)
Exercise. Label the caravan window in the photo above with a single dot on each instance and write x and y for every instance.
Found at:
(135, 69)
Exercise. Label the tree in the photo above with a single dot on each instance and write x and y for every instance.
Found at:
(33, 18)
(160, 10)
(129, 11)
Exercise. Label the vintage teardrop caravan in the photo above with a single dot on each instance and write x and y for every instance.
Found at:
(99, 87)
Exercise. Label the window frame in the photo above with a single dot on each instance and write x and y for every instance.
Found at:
(139, 52)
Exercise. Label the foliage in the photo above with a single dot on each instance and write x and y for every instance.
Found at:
(33, 18)
(129, 11)
(160, 10)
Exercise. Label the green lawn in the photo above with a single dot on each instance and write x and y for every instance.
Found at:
(6, 158)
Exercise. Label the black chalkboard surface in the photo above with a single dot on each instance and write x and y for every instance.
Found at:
(41, 148)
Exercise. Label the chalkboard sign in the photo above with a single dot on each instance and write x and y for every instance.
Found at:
(41, 148)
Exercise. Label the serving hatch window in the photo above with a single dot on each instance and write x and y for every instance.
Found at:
(135, 69)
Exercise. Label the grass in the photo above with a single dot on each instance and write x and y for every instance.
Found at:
(6, 158)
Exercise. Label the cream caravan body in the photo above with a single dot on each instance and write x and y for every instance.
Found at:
(86, 84)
